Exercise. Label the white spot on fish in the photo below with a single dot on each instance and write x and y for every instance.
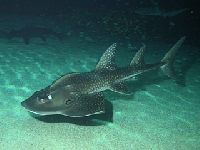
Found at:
(49, 97)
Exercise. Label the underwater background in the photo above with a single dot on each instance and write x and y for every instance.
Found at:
(41, 40)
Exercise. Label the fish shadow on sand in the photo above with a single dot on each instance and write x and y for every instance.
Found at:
(150, 78)
(140, 84)
(155, 77)
(82, 121)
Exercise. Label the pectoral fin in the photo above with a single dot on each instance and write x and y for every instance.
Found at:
(85, 105)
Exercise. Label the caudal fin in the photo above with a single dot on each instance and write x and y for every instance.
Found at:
(168, 59)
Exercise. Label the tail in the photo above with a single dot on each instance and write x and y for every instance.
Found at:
(168, 68)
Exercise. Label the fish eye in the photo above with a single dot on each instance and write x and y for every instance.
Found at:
(44, 99)
(68, 101)
(49, 97)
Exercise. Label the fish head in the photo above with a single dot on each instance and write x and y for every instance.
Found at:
(65, 102)
(48, 102)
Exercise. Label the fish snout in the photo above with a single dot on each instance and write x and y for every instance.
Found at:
(24, 104)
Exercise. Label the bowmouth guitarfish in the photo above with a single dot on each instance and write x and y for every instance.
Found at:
(81, 94)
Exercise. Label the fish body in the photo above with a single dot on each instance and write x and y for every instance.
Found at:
(155, 11)
(173, 13)
(150, 11)
(80, 94)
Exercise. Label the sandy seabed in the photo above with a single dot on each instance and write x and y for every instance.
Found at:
(160, 114)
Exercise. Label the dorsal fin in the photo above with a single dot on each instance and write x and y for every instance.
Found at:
(107, 60)
(138, 60)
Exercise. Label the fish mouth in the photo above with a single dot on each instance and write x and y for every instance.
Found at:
(36, 111)
(26, 106)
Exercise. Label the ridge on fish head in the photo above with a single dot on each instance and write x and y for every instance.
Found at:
(64, 100)
(53, 104)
